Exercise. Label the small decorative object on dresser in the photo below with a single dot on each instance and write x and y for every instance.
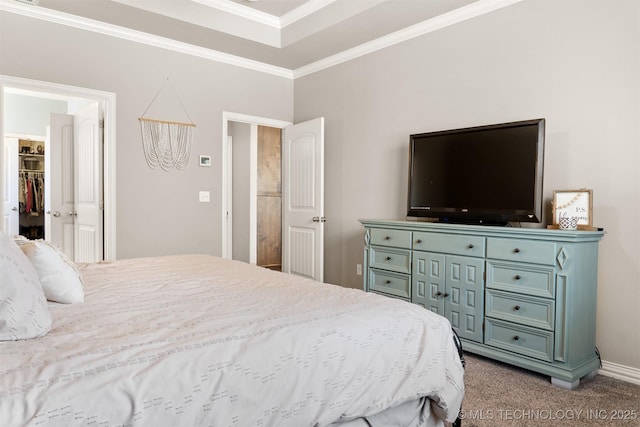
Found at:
(524, 296)
(576, 206)
(568, 223)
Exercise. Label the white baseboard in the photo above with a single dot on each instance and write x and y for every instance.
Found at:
(621, 372)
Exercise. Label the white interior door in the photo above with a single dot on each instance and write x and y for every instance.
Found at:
(11, 220)
(87, 157)
(59, 194)
(303, 199)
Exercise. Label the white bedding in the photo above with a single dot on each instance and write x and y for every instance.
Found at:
(201, 341)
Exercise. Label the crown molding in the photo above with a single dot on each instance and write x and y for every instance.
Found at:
(472, 10)
(308, 8)
(139, 37)
(243, 11)
(301, 12)
(441, 21)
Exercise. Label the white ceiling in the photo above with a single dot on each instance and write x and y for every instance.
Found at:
(286, 35)
(274, 7)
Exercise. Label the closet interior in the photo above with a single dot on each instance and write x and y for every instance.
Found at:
(31, 188)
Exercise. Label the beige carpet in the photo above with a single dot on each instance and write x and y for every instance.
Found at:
(501, 395)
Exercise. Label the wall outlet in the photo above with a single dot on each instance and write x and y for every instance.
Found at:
(204, 196)
(358, 269)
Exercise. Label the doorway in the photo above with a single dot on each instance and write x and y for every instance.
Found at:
(252, 190)
(302, 193)
(10, 87)
(24, 162)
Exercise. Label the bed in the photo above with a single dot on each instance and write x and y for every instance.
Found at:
(196, 340)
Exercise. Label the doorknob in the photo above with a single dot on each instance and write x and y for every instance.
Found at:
(14, 208)
(54, 213)
(73, 213)
(319, 219)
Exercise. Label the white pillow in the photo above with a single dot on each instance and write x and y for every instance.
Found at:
(23, 308)
(60, 278)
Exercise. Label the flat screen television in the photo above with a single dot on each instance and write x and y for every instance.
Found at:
(478, 175)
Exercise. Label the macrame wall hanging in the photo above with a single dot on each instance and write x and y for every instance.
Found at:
(166, 144)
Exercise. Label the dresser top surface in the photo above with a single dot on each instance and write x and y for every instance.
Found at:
(487, 230)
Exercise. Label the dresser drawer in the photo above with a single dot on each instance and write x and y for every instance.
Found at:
(390, 283)
(394, 238)
(521, 278)
(519, 339)
(390, 296)
(449, 243)
(391, 259)
(531, 311)
(530, 251)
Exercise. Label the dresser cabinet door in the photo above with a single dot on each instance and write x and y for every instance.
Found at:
(465, 299)
(451, 286)
(429, 281)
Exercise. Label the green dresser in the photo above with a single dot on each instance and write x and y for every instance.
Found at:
(523, 296)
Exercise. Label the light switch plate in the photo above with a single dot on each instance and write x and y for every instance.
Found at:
(204, 196)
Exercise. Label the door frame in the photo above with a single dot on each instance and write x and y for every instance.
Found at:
(107, 102)
(227, 224)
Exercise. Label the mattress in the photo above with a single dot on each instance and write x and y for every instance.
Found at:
(196, 340)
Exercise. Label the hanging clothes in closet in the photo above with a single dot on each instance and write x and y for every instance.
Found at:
(31, 192)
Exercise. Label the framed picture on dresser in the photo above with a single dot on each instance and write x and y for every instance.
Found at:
(577, 204)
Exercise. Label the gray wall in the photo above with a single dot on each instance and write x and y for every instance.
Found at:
(157, 212)
(29, 115)
(241, 143)
(576, 63)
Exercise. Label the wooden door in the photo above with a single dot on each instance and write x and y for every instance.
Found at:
(269, 198)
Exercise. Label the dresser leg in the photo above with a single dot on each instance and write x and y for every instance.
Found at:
(568, 385)
(591, 374)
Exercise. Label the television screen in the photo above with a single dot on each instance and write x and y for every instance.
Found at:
(485, 174)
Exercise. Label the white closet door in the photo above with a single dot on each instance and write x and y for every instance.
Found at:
(59, 205)
(88, 236)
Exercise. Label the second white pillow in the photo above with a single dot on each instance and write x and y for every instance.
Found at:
(60, 278)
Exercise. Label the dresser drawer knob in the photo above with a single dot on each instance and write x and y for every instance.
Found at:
(516, 308)
(419, 241)
(438, 293)
(445, 294)
(470, 246)
(388, 258)
(518, 277)
(388, 282)
(516, 338)
(387, 237)
(516, 250)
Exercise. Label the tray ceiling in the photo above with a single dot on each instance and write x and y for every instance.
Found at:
(289, 34)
